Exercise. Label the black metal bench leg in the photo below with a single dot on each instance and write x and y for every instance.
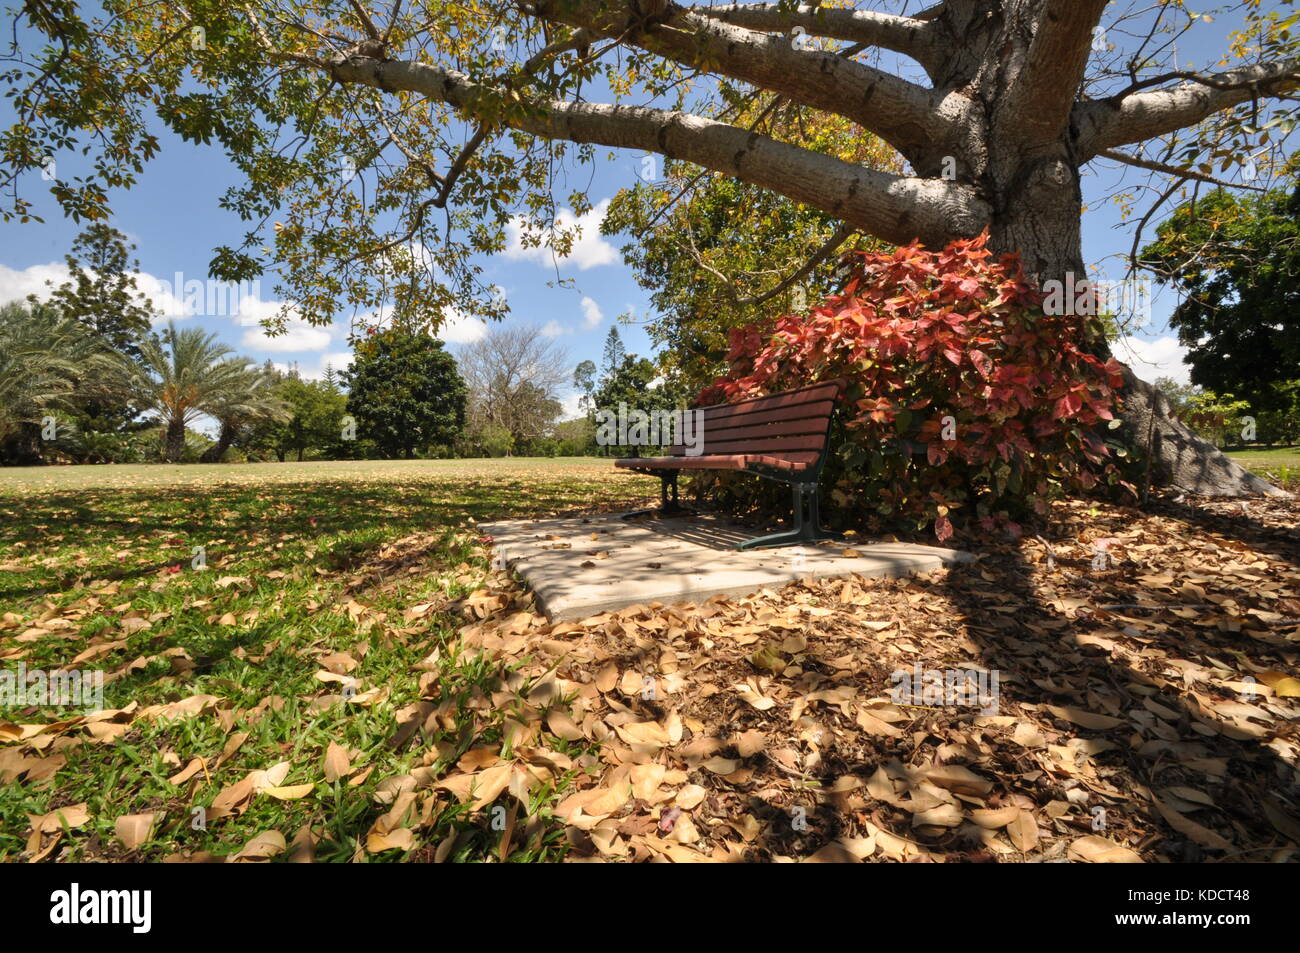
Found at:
(668, 505)
(815, 517)
(805, 523)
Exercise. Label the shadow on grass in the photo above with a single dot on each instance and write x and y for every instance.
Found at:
(221, 516)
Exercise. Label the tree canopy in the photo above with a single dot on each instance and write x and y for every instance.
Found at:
(45, 358)
(314, 422)
(515, 378)
(181, 375)
(383, 146)
(717, 253)
(1236, 262)
(101, 291)
(404, 391)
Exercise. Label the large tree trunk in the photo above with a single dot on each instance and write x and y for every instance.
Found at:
(1040, 220)
(174, 443)
(1032, 184)
(218, 450)
(1179, 457)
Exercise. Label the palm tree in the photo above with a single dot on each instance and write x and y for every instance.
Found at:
(46, 362)
(181, 376)
(252, 398)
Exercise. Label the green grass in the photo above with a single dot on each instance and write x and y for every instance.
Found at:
(1279, 464)
(326, 559)
(1268, 457)
(41, 479)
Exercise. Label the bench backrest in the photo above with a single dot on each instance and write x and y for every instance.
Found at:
(794, 424)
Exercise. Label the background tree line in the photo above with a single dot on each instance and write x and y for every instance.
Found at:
(85, 377)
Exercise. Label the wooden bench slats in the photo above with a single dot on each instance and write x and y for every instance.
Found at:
(786, 461)
(774, 427)
(799, 460)
(757, 435)
(814, 410)
(768, 444)
(789, 461)
(734, 461)
(805, 395)
(778, 437)
(827, 389)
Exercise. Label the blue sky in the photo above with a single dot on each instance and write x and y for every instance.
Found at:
(174, 219)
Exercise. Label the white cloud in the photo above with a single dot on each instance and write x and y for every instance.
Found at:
(16, 285)
(252, 311)
(571, 409)
(591, 316)
(165, 296)
(179, 297)
(591, 313)
(589, 250)
(175, 297)
(1162, 357)
(298, 336)
(459, 328)
(339, 360)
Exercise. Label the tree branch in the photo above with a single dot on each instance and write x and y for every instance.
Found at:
(906, 35)
(1041, 92)
(1106, 123)
(828, 248)
(1152, 166)
(367, 23)
(906, 115)
(895, 208)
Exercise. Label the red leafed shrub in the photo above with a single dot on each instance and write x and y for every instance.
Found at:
(964, 399)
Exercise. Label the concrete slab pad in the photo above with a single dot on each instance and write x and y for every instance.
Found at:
(582, 566)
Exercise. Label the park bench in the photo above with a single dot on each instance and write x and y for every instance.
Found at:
(781, 437)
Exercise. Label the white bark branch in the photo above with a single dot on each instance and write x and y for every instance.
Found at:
(904, 114)
(1037, 103)
(895, 208)
(1106, 123)
(911, 37)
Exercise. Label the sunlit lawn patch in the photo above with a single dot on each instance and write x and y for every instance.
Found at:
(1280, 464)
(280, 609)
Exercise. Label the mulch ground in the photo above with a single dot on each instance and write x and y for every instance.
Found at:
(1145, 705)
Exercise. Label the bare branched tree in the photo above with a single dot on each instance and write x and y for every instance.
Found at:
(515, 378)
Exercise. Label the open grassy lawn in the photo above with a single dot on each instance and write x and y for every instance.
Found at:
(343, 676)
(44, 479)
(321, 617)
(1281, 464)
